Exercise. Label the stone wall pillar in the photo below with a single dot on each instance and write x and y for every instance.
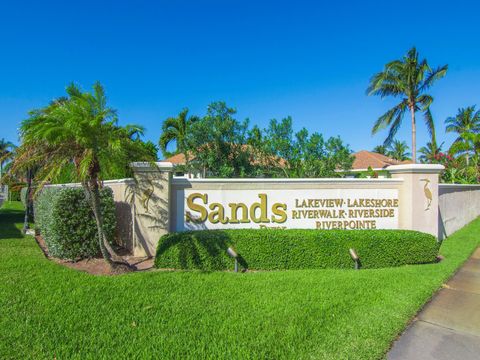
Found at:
(418, 196)
(151, 202)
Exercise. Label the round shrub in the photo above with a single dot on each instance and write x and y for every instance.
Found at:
(275, 249)
(66, 222)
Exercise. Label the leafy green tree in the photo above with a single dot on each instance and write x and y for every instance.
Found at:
(380, 149)
(467, 121)
(6, 152)
(222, 146)
(300, 154)
(80, 130)
(177, 129)
(408, 80)
(399, 150)
(218, 143)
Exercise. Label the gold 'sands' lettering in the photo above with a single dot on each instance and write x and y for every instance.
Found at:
(238, 212)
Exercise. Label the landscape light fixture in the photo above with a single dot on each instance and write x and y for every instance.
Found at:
(355, 258)
(232, 253)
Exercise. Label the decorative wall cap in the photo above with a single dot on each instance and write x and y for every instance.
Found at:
(460, 186)
(147, 166)
(127, 181)
(416, 169)
(182, 180)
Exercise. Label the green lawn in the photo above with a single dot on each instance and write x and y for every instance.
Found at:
(49, 311)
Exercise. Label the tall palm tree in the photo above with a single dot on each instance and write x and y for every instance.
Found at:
(6, 151)
(81, 130)
(407, 79)
(399, 150)
(466, 121)
(177, 129)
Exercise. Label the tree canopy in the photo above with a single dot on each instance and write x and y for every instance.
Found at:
(219, 145)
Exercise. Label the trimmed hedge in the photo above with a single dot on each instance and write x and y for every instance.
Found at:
(66, 222)
(23, 196)
(275, 249)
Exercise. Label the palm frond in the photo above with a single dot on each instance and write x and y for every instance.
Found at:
(433, 76)
(386, 119)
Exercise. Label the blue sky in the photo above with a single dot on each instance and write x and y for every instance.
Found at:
(269, 59)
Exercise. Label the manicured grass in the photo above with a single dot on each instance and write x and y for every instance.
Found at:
(49, 311)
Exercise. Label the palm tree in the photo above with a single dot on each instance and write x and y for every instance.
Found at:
(177, 129)
(6, 151)
(399, 150)
(380, 149)
(80, 130)
(430, 152)
(466, 121)
(468, 145)
(407, 79)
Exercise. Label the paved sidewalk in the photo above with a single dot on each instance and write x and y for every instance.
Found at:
(449, 326)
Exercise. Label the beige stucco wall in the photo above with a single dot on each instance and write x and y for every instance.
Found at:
(458, 205)
(418, 196)
(152, 208)
(122, 195)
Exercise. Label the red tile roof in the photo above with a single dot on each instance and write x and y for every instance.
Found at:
(365, 159)
(177, 159)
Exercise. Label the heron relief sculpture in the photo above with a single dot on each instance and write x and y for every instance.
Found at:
(428, 193)
(146, 195)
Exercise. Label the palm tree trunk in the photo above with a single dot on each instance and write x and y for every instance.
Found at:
(93, 196)
(414, 135)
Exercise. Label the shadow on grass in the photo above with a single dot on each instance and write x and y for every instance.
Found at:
(202, 250)
(8, 218)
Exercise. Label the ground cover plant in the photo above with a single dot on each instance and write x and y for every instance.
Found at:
(277, 249)
(50, 311)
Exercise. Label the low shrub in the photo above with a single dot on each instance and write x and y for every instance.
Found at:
(275, 249)
(66, 222)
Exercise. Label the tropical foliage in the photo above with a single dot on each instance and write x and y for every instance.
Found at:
(399, 150)
(80, 131)
(177, 129)
(461, 161)
(407, 80)
(430, 152)
(380, 149)
(218, 145)
(466, 124)
(6, 152)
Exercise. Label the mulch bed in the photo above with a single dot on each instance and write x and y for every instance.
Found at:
(95, 266)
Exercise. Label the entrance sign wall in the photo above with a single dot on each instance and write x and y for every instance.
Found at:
(162, 203)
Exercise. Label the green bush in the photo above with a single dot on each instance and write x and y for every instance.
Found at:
(23, 196)
(272, 249)
(66, 222)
